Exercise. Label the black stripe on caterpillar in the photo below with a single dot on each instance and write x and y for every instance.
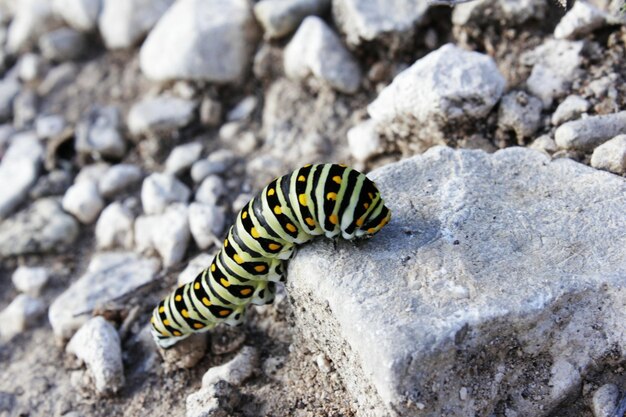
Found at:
(315, 200)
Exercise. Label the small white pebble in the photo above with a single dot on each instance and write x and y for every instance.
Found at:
(463, 393)
(30, 280)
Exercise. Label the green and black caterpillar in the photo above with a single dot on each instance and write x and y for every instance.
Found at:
(325, 199)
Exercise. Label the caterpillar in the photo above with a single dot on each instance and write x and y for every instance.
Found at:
(324, 199)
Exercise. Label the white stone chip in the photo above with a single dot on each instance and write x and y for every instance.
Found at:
(279, 18)
(182, 158)
(109, 275)
(160, 190)
(571, 108)
(98, 345)
(177, 47)
(585, 134)
(611, 155)
(30, 280)
(206, 223)
(364, 141)
(21, 314)
(163, 113)
(123, 23)
(316, 50)
(83, 201)
(581, 19)
(115, 227)
(172, 235)
(446, 85)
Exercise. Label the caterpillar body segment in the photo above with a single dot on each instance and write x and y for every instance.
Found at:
(315, 200)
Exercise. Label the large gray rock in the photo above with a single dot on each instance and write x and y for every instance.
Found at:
(123, 23)
(316, 50)
(368, 20)
(178, 48)
(500, 279)
(447, 85)
(19, 170)
(42, 227)
(108, 277)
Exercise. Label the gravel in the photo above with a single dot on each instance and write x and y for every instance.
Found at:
(80, 14)
(280, 18)
(62, 44)
(160, 114)
(172, 236)
(520, 113)
(83, 201)
(604, 400)
(364, 141)
(119, 178)
(211, 190)
(581, 19)
(98, 134)
(570, 108)
(115, 227)
(9, 89)
(217, 163)
(182, 158)
(160, 190)
(206, 223)
(23, 312)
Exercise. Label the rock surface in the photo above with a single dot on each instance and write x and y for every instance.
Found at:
(177, 48)
(485, 254)
(449, 84)
(42, 227)
(98, 345)
(315, 49)
(108, 276)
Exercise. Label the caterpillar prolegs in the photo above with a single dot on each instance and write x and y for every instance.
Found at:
(325, 199)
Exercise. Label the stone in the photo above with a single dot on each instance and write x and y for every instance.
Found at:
(32, 18)
(483, 262)
(30, 280)
(544, 143)
(210, 112)
(115, 227)
(172, 236)
(109, 276)
(211, 190)
(30, 67)
(366, 20)
(447, 85)
(63, 44)
(158, 114)
(582, 19)
(21, 314)
(520, 113)
(160, 190)
(25, 109)
(317, 51)
(280, 18)
(98, 134)
(604, 400)
(364, 141)
(19, 170)
(123, 23)
(182, 158)
(194, 267)
(243, 110)
(42, 227)
(212, 399)
(55, 183)
(92, 172)
(119, 178)
(585, 134)
(49, 126)
(58, 77)
(556, 64)
(515, 12)
(611, 155)
(571, 108)
(177, 49)
(206, 223)
(186, 353)
(98, 345)
(80, 14)
(144, 233)
(83, 201)
(9, 89)
(217, 163)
